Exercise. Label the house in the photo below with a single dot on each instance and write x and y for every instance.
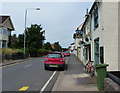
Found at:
(100, 34)
(77, 37)
(6, 27)
(79, 46)
(52, 45)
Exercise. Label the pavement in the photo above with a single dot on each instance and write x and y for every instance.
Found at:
(75, 78)
(15, 61)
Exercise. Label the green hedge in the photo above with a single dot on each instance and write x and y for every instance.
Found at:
(37, 52)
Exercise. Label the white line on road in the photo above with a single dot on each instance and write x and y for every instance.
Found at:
(47, 82)
(28, 65)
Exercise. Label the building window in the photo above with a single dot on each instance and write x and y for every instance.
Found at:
(4, 44)
(4, 31)
(0, 30)
(96, 18)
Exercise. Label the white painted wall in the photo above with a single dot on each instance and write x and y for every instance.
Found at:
(119, 36)
(110, 18)
(107, 32)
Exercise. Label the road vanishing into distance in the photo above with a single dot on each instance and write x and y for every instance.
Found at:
(28, 76)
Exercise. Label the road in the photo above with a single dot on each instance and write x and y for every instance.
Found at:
(28, 76)
(31, 76)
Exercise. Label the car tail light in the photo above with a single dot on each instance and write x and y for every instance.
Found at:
(46, 59)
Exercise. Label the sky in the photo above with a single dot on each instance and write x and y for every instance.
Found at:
(58, 19)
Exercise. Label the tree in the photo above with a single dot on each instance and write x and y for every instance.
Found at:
(57, 46)
(9, 40)
(17, 42)
(47, 46)
(34, 36)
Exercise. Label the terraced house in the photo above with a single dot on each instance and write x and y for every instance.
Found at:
(100, 35)
(6, 27)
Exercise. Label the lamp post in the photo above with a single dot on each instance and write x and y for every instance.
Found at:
(25, 24)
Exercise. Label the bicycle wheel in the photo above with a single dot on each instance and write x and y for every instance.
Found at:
(86, 68)
(92, 71)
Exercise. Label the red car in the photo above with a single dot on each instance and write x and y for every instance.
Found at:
(66, 53)
(54, 60)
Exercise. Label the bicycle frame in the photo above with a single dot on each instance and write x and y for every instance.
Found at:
(89, 68)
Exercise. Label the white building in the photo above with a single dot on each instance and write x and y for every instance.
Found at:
(102, 21)
(6, 27)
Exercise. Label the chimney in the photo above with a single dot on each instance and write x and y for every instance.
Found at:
(86, 13)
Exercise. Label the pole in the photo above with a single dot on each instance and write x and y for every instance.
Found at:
(25, 31)
(25, 26)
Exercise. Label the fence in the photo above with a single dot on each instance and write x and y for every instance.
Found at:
(12, 56)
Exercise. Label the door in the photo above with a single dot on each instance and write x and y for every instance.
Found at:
(96, 50)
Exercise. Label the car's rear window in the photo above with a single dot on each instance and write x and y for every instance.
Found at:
(66, 52)
(54, 55)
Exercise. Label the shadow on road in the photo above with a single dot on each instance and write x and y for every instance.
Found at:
(55, 69)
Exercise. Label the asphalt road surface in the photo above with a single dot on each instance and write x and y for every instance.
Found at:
(28, 76)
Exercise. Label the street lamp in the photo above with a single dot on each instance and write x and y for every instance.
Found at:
(25, 24)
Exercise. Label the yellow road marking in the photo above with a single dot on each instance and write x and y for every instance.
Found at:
(24, 88)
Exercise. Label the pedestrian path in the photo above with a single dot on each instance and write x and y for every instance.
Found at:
(14, 61)
(75, 78)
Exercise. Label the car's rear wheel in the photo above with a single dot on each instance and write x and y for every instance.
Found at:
(62, 68)
(66, 67)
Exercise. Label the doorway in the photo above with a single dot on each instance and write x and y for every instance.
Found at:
(96, 51)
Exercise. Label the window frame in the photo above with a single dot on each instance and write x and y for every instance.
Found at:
(96, 16)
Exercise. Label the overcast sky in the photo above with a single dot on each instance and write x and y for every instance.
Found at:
(58, 19)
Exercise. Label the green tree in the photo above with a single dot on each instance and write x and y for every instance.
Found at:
(17, 42)
(34, 38)
(47, 46)
(57, 46)
(20, 41)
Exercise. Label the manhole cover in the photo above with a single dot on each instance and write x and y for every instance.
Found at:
(86, 80)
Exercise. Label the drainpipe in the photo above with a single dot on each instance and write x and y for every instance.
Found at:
(87, 14)
(90, 26)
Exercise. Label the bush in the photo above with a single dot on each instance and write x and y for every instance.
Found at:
(33, 52)
(43, 52)
(19, 50)
(8, 50)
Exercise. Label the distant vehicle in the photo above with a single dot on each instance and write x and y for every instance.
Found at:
(66, 53)
(54, 60)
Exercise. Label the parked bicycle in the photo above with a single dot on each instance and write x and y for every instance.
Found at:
(89, 68)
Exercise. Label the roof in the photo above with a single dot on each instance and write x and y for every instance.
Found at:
(90, 12)
(52, 45)
(5, 21)
(79, 28)
(3, 18)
